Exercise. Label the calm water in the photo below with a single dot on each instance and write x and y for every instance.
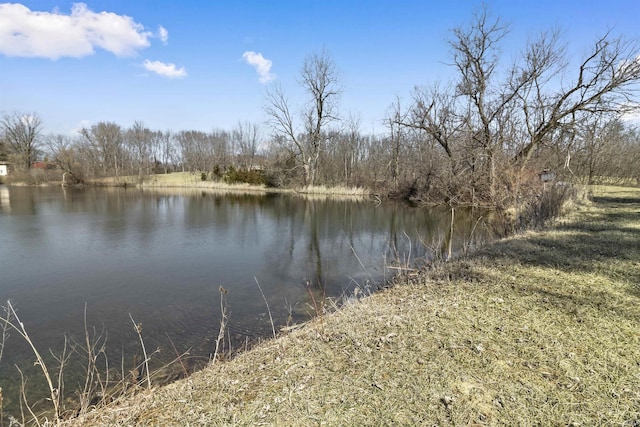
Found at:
(161, 256)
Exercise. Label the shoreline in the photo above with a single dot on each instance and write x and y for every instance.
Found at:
(539, 328)
(188, 181)
(185, 180)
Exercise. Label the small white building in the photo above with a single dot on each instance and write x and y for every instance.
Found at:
(4, 169)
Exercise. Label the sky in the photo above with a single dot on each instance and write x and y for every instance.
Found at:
(205, 65)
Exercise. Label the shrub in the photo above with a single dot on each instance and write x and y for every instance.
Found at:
(544, 206)
(248, 176)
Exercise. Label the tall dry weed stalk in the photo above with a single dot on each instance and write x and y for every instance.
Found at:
(178, 356)
(138, 328)
(62, 360)
(91, 352)
(97, 388)
(18, 326)
(223, 322)
(24, 402)
(355, 253)
(450, 249)
(273, 327)
(436, 246)
(4, 325)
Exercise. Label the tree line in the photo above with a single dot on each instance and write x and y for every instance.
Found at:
(482, 138)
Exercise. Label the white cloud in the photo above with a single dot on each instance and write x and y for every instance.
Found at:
(82, 124)
(261, 64)
(163, 34)
(27, 33)
(631, 113)
(165, 70)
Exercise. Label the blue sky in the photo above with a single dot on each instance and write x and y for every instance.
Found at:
(203, 65)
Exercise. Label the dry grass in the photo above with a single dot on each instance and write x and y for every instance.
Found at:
(339, 190)
(185, 179)
(178, 180)
(189, 180)
(538, 329)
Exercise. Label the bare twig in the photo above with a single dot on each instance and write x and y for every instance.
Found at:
(91, 350)
(4, 325)
(138, 328)
(24, 400)
(273, 328)
(53, 392)
(223, 321)
(62, 360)
(313, 298)
(184, 368)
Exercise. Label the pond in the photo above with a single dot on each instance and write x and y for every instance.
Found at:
(160, 257)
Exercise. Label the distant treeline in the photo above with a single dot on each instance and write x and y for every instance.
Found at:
(489, 136)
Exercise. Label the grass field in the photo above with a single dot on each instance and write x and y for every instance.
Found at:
(538, 329)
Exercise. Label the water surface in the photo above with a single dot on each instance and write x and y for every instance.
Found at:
(161, 256)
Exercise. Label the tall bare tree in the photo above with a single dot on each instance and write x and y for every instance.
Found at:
(64, 153)
(476, 57)
(164, 151)
(139, 140)
(494, 113)
(350, 148)
(104, 142)
(606, 80)
(246, 138)
(21, 133)
(396, 138)
(319, 80)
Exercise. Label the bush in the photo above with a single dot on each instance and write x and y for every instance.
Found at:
(273, 180)
(544, 206)
(236, 176)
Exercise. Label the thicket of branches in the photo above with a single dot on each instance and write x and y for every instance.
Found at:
(483, 137)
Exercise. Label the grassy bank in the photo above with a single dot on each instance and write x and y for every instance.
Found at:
(538, 329)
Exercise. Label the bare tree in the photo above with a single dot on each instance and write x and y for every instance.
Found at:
(219, 150)
(194, 148)
(351, 148)
(603, 148)
(495, 117)
(606, 81)
(3, 149)
(104, 142)
(246, 137)
(163, 151)
(64, 154)
(476, 58)
(319, 79)
(396, 137)
(21, 133)
(139, 139)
